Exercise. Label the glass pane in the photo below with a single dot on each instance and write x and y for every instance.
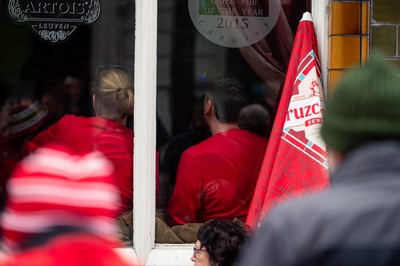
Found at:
(199, 42)
(51, 52)
(386, 11)
(384, 39)
(396, 63)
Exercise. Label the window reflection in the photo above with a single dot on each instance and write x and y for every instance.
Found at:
(188, 64)
(59, 76)
(47, 89)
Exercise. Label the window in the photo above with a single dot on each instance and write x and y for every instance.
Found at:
(50, 53)
(199, 42)
(385, 28)
(166, 54)
(189, 66)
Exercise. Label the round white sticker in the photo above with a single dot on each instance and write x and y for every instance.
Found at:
(234, 23)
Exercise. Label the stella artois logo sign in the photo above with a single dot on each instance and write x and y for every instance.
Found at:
(54, 21)
(304, 117)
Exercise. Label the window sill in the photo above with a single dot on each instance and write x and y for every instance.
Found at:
(162, 254)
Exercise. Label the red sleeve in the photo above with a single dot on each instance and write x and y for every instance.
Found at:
(184, 204)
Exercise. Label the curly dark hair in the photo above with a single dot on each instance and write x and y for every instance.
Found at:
(224, 240)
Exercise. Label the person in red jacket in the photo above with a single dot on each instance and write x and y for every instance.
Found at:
(107, 133)
(60, 210)
(216, 178)
(24, 121)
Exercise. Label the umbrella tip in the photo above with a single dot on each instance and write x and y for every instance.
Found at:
(306, 17)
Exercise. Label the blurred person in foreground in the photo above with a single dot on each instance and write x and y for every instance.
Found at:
(357, 221)
(219, 243)
(216, 178)
(60, 210)
(106, 132)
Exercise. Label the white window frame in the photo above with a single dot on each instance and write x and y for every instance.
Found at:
(145, 249)
(320, 14)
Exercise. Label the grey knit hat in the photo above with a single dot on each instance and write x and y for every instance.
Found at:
(364, 107)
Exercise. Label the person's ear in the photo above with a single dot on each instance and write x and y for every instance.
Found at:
(207, 107)
(94, 102)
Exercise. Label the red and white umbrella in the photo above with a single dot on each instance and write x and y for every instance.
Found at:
(295, 161)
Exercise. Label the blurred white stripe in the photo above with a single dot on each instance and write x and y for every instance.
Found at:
(37, 222)
(80, 197)
(92, 165)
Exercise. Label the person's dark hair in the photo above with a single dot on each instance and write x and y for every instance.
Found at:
(229, 97)
(223, 240)
(255, 118)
